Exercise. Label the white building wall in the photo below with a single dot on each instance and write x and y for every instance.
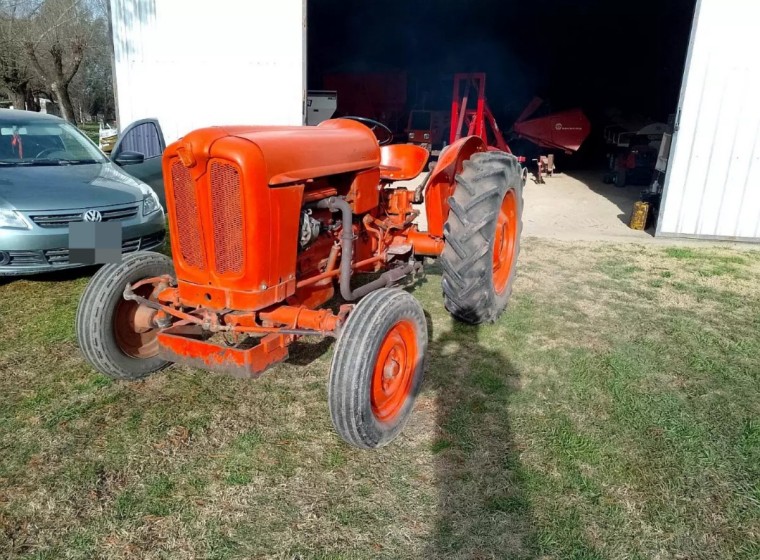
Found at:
(713, 184)
(193, 63)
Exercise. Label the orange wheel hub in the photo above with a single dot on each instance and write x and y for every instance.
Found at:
(130, 327)
(504, 242)
(394, 371)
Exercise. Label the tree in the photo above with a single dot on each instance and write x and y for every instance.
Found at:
(56, 40)
(43, 44)
(15, 74)
(92, 87)
(113, 93)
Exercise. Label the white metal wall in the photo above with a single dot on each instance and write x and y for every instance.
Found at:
(192, 64)
(713, 184)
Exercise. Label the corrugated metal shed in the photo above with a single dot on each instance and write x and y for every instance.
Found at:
(713, 184)
(229, 62)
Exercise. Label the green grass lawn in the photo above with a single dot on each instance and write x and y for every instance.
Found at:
(91, 130)
(613, 412)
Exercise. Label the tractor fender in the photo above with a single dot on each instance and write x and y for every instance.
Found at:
(442, 182)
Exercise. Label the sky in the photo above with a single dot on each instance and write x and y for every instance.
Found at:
(596, 54)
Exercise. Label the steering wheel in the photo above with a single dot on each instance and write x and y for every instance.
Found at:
(47, 151)
(386, 136)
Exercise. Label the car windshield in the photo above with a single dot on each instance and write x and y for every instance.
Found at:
(38, 142)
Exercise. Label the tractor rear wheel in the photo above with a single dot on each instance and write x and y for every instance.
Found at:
(377, 368)
(482, 237)
(105, 323)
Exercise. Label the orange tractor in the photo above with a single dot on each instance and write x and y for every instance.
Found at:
(267, 222)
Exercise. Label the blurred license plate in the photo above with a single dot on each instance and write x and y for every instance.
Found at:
(95, 242)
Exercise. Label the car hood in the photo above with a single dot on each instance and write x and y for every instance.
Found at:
(67, 187)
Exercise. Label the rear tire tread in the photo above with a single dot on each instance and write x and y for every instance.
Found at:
(467, 258)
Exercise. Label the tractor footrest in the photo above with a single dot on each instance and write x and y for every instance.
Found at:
(185, 344)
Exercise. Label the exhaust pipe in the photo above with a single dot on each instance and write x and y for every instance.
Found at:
(335, 204)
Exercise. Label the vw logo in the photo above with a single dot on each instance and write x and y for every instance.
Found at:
(92, 216)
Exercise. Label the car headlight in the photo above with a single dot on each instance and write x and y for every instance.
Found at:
(11, 219)
(150, 204)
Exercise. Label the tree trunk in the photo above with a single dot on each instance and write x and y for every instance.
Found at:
(112, 53)
(63, 99)
(19, 99)
(32, 101)
(59, 84)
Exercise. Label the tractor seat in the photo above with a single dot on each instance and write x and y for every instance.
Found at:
(402, 162)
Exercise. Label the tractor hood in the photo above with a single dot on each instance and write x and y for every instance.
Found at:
(294, 154)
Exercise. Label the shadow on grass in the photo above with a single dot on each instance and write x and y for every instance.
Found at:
(483, 509)
(305, 352)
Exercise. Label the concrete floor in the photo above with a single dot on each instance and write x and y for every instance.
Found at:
(578, 206)
(574, 207)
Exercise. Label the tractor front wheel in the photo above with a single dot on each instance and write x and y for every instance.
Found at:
(106, 328)
(377, 368)
(482, 237)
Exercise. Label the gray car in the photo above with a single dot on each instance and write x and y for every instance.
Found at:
(51, 175)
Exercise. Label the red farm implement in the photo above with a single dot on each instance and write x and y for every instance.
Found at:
(472, 116)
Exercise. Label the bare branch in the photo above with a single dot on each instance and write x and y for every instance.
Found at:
(30, 52)
(78, 55)
(62, 20)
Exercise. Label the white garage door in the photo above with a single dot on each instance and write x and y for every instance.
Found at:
(713, 186)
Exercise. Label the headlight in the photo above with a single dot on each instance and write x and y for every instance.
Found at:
(12, 220)
(150, 204)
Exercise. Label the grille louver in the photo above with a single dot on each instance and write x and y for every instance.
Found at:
(187, 219)
(227, 215)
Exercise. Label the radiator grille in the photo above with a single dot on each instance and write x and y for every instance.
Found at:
(187, 219)
(227, 214)
(62, 220)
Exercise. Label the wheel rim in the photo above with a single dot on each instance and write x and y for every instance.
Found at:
(504, 242)
(394, 371)
(134, 341)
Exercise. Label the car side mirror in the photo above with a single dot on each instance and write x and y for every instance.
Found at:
(129, 158)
